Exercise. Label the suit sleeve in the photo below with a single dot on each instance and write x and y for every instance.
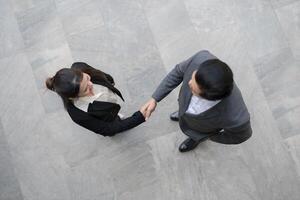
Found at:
(105, 128)
(172, 80)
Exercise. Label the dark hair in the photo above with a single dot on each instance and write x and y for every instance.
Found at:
(66, 83)
(215, 79)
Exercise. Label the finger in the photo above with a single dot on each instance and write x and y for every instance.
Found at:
(148, 113)
(145, 107)
(147, 117)
(147, 110)
(144, 112)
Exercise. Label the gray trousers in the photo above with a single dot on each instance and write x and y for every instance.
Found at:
(234, 135)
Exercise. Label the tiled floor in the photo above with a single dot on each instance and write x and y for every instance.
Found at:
(45, 156)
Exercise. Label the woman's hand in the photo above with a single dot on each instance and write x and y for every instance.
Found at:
(143, 112)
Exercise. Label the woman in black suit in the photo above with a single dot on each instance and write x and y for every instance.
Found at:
(90, 98)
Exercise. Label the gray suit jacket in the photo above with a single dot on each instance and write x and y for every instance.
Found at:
(230, 115)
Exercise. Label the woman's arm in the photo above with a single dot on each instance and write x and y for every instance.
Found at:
(101, 127)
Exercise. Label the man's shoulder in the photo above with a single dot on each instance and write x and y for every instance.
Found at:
(203, 55)
(198, 58)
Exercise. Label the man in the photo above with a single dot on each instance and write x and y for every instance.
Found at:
(210, 104)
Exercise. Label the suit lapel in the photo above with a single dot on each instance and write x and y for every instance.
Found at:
(185, 98)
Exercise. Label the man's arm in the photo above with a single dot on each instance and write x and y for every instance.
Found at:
(171, 81)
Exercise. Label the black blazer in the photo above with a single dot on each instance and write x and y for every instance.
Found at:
(102, 117)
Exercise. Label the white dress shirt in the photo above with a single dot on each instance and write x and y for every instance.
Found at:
(199, 105)
(102, 93)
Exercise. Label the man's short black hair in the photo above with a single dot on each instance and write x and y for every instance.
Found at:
(215, 79)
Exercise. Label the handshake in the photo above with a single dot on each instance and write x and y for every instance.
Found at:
(148, 108)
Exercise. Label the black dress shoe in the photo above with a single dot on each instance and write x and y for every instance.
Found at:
(174, 116)
(188, 144)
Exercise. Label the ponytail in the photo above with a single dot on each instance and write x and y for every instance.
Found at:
(50, 83)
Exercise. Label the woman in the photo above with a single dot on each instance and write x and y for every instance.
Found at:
(90, 98)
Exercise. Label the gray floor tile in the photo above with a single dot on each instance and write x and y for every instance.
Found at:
(22, 105)
(278, 74)
(10, 38)
(40, 26)
(211, 15)
(293, 146)
(266, 147)
(261, 28)
(212, 169)
(78, 16)
(281, 3)
(127, 174)
(41, 174)
(168, 22)
(289, 19)
(73, 142)
(22, 5)
(9, 185)
(172, 30)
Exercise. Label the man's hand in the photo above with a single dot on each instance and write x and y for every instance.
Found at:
(148, 108)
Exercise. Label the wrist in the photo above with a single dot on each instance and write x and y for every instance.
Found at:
(153, 100)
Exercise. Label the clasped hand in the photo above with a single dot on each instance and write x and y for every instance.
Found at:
(148, 108)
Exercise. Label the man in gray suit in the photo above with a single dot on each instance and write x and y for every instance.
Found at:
(210, 104)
